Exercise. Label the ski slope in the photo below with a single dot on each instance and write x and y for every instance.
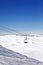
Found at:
(33, 49)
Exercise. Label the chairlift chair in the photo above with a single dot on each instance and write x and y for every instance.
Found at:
(25, 41)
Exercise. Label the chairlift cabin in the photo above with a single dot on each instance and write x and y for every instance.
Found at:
(25, 41)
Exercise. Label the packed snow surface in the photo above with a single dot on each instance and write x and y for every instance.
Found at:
(33, 49)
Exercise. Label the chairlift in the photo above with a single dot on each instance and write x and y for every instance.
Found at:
(25, 41)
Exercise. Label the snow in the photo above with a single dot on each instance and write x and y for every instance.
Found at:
(33, 49)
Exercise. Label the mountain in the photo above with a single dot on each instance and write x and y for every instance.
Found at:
(16, 43)
(8, 57)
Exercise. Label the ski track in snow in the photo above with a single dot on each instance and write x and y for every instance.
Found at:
(33, 49)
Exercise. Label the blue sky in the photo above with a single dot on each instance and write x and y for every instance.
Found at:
(22, 15)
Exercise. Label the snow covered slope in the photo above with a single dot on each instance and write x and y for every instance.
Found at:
(33, 49)
(8, 57)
